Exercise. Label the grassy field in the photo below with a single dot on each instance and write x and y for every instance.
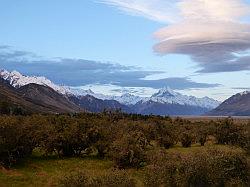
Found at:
(43, 171)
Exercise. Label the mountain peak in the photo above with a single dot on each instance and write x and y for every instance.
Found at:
(165, 92)
(244, 93)
(15, 73)
(167, 95)
(3, 71)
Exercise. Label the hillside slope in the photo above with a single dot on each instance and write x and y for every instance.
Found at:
(93, 104)
(45, 96)
(237, 105)
(35, 99)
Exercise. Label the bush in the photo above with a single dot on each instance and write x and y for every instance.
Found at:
(186, 140)
(106, 137)
(165, 134)
(230, 133)
(16, 140)
(69, 136)
(202, 132)
(167, 141)
(202, 139)
(208, 167)
(113, 178)
(129, 151)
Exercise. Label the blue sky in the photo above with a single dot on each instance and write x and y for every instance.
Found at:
(129, 33)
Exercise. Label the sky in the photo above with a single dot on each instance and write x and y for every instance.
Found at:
(196, 47)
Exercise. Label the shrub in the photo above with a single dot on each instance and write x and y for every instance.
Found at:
(203, 139)
(106, 137)
(116, 178)
(16, 141)
(167, 141)
(165, 134)
(186, 140)
(228, 132)
(208, 167)
(76, 179)
(129, 151)
(202, 131)
(69, 136)
(112, 178)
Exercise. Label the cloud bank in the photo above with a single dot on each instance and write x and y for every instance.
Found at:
(80, 72)
(214, 33)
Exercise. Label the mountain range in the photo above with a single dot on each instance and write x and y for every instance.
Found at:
(42, 92)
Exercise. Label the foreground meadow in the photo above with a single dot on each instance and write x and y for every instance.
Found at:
(115, 149)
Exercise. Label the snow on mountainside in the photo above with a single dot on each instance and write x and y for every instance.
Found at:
(244, 93)
(18, 80)
(127, 99)
(78, 92)
(163, 96)
(167, 95)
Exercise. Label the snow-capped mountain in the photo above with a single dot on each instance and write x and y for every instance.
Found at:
(244, 93)
(80, 92)
(127, 99)
(167, 95)
(163, 96)
(18, 80)
(166, 92)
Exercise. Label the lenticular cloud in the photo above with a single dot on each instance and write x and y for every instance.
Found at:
(211, 32)
(212, 44)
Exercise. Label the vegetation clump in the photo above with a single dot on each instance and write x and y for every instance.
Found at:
(207, 167)
(112, 178)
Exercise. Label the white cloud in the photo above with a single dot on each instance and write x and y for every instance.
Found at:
(171, 11)
(227, 10)
(211, 32)
(159, 10)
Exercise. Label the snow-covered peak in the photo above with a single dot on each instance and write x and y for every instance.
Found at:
(80, 92)
(244, 93)
(127, 99)
(17, 80)
(3, 73)
(167, 95)
(15, 74)
(165, 92)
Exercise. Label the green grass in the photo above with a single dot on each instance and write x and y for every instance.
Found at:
(45, 171)
(41, 171)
